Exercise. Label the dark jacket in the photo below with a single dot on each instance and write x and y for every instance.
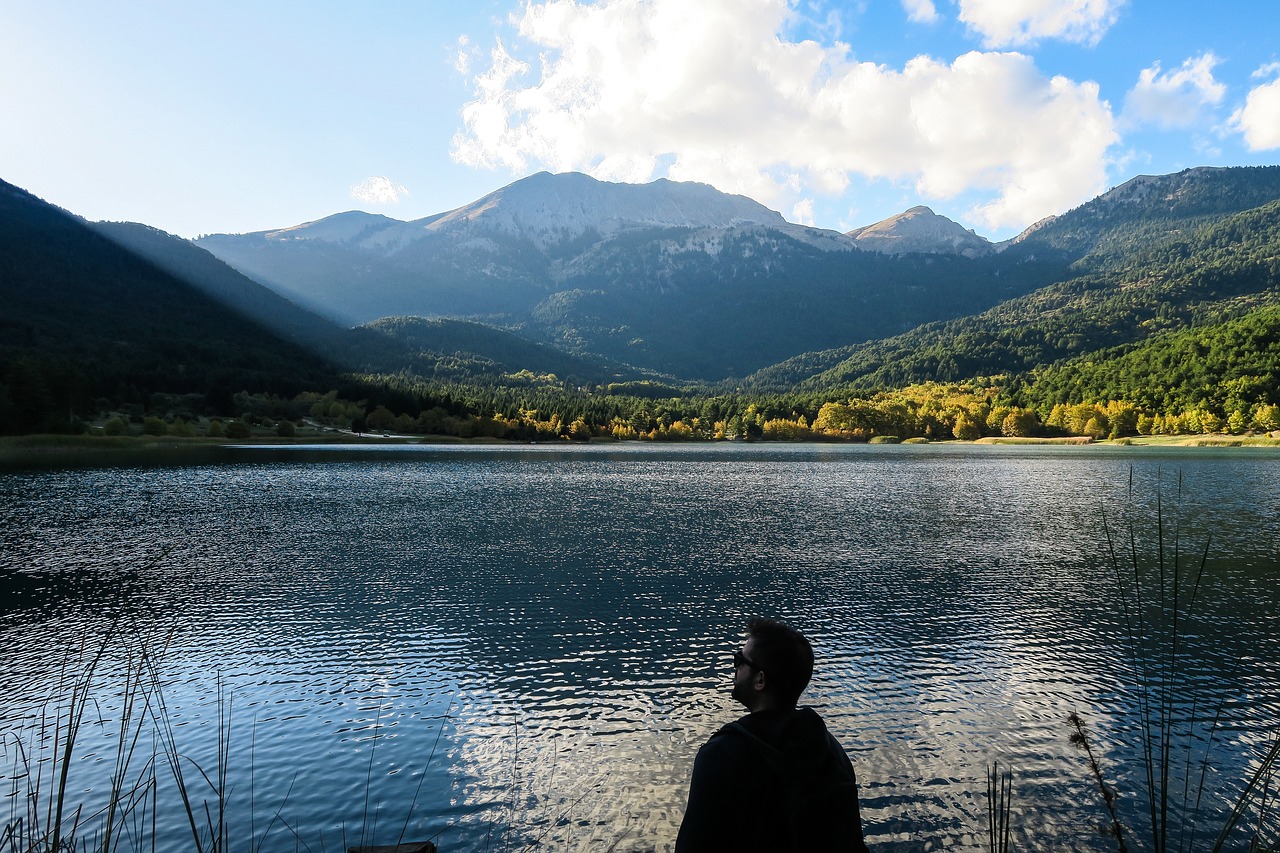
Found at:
(773, 780)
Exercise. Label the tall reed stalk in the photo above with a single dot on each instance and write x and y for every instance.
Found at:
(46, 811)
(44, 814)
(999, 802)
(1159, 588)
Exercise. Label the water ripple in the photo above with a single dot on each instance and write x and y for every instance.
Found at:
(535, 641)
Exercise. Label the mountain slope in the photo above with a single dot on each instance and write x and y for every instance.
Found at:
(196, 267)
(1148, 211)
(86, 319)
(1224, 367)
(1212, 274)
(463, 351)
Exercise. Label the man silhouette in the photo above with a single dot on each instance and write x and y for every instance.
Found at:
(776, 779)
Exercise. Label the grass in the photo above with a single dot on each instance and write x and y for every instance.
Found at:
(44, 815)
(1214, 440)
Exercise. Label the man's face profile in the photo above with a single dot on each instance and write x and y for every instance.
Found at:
(746, 674)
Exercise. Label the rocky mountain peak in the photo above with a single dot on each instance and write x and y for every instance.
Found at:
(920, 230)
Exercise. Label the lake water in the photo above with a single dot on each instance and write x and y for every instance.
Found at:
(497, 646)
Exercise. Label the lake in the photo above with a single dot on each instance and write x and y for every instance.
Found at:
(493, 647)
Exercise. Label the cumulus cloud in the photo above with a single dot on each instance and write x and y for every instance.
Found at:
(1007, 23)
(1175, 98)
(632, 90)
(920, 11)
(378, 190)
(1259, 118)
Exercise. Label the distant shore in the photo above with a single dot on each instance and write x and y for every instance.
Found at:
(41, 450)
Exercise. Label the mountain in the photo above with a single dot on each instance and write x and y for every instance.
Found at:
(1224, 367)
(1170, 280)
(87, 320)
(920, 230)
(500, 256)
(670, 277)
(1162, 292)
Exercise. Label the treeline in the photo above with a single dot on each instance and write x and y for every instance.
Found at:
(410, 406)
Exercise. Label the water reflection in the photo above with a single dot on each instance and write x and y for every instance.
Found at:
(530, 643)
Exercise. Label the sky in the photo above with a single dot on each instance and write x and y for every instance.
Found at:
(223, 116)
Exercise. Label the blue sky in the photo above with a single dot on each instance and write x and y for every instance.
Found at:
(209, 116)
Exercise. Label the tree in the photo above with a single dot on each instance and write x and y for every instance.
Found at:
(1019, 422)
(965, 429)
(380, 419)
(1266, 417)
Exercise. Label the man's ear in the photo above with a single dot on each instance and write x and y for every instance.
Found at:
(759, 683)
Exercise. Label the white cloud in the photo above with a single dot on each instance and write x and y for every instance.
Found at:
(462, 59)
(378, 190)
(1174, 98)
(632, 90)
(1259, 118)
(1006, 23)
(803, 212)
(920, 11)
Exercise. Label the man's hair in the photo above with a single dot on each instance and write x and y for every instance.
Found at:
(784, 654)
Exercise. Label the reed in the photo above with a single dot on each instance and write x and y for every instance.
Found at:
(43, 813)
(48, 815)
(999, 802)
(1158, 588)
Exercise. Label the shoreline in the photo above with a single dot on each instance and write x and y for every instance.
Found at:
(41, 449)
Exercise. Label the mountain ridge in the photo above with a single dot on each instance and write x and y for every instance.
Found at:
(660, 283)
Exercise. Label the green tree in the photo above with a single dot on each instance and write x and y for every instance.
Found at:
(1019, 422)
(380, 419)
(965, 429)
(1266, 417)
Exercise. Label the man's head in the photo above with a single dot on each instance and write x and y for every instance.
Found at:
(773, 667)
